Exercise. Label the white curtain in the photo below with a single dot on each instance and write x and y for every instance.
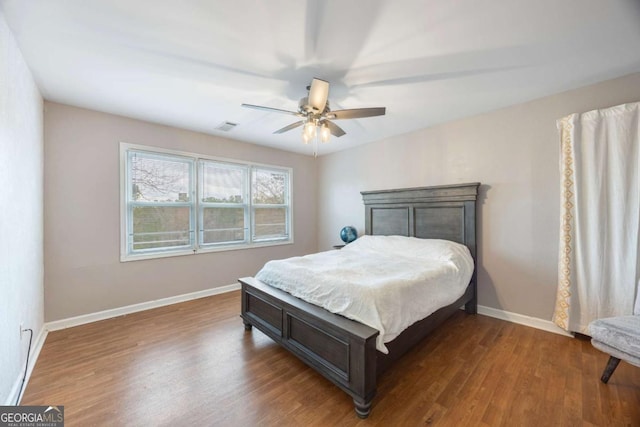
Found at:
(600, 216)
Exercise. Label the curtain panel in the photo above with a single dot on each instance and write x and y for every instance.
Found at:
(598, 267)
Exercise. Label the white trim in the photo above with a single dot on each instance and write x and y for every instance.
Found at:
(121, 311)
(123, 202)
(101, 315)
(205, 250)
(521, 319)
(33, 358)
(156, 149)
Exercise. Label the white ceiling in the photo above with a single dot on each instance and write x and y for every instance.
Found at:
(191, 63)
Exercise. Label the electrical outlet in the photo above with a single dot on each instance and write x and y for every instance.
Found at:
(21, 330)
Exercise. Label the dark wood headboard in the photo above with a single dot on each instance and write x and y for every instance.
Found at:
(440, 212)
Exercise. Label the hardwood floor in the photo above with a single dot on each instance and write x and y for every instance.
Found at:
(193, 364)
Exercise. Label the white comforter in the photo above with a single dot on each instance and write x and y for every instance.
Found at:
(386, 282)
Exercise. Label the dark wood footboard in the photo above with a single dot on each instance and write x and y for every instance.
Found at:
(340, 349)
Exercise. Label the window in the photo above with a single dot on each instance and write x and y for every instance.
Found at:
(223, 203)
(160, 208)
(269, 207)
(182, 203)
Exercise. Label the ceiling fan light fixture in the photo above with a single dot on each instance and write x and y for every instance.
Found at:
(325, 133)
(310, 129)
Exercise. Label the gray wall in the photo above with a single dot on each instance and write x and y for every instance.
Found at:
(514, 153)
(83, 272)
(21, 265)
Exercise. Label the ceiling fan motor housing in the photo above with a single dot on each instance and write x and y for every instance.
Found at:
(305, 108)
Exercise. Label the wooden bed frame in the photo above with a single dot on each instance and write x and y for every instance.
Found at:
(342, 350)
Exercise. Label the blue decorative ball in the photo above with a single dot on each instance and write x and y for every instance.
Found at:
(348, 234)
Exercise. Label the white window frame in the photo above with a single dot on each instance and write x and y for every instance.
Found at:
(253, 206)
(196, 246)
(131, 204)
(202, 205)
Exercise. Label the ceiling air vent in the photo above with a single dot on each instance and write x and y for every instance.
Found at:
(226, 126)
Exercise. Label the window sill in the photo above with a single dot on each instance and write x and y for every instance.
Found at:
(141, 257)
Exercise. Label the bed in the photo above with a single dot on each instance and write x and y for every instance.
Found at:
(342, 350)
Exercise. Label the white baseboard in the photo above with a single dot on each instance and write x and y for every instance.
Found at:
(38, 343)
(121, 311)
(545, 325)
(36, 347)
(521, 319)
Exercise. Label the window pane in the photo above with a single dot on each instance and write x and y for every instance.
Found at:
(223, 225)
(270, 223)
(222, 183)
(160, 227)
(159, 179)
(268, 187)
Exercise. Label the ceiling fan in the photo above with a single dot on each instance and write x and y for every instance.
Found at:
(317, 116)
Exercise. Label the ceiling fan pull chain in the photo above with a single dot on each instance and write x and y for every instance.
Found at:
(315, 147)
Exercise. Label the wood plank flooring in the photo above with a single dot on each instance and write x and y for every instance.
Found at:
(193, 364)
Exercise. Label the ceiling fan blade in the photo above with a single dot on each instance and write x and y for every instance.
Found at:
(357, 113)
(334, 128)
(272, 110)
(318, 94)
(291, 126)
(448, 66)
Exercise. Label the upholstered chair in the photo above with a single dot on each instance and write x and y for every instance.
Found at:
(620, 338)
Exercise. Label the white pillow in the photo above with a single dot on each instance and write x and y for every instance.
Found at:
(410, 247)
